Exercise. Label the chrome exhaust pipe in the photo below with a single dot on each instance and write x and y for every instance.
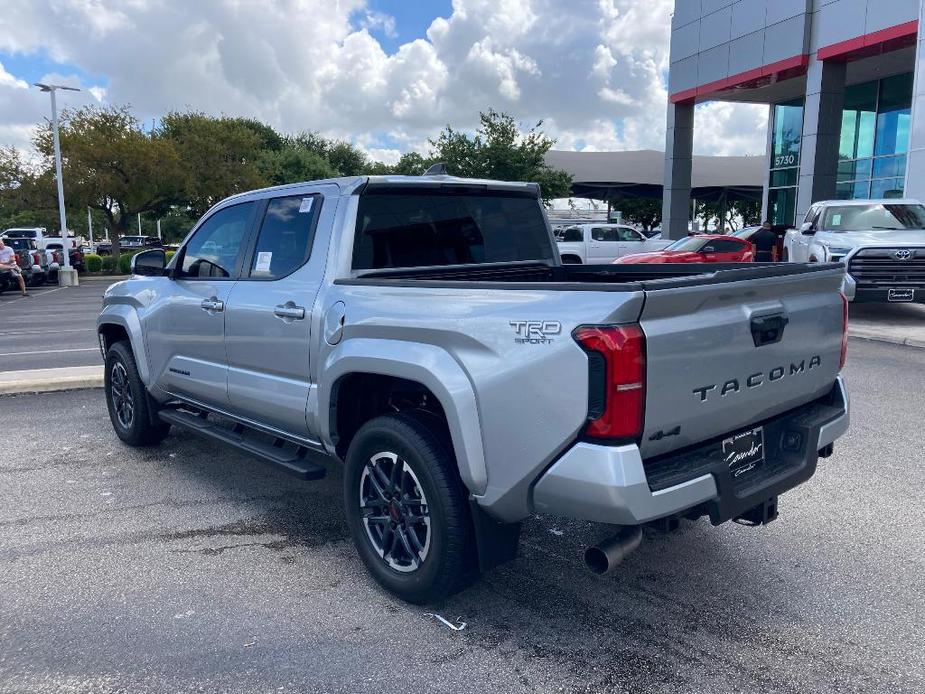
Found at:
(604, 557)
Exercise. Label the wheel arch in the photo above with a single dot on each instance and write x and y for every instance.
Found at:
(360, 373)
(118, 323)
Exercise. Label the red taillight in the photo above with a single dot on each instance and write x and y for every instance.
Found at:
(844, 332)
(617, 380)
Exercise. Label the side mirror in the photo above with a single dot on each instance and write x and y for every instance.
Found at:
(806, 228)
(149, 263)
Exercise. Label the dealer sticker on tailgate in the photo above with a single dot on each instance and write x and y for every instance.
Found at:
(744, 451)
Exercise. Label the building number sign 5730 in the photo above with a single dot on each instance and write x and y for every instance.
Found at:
(785, 160)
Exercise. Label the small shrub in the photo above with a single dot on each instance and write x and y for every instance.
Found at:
(170, 255)
(109, 264)
(125, 262)
(93, 262)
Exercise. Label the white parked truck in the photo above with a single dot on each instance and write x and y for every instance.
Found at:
(880, 242)
(595, 244)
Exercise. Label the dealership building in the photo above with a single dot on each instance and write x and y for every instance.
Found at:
(841, 80)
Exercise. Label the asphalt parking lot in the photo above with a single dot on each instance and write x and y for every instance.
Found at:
(54, 327)
(191, 568)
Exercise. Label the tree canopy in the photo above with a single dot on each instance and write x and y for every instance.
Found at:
(186, 162)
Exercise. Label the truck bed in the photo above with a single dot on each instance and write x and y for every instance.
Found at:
(584, 277)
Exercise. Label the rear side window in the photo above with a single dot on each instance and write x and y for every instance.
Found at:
(604, 234)
(417, 228)
(285, 239)
(572, 235)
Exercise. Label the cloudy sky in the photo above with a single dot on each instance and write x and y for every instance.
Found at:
(386, 74)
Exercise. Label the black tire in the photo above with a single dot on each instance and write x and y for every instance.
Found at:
(448, 561)
(127, 400)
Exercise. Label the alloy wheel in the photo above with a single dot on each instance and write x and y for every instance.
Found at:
(122, 401)
(395, 512)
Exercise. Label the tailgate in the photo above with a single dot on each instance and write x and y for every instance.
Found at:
(705, 375)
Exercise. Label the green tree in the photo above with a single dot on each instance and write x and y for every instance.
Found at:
(499, 150)
(344, 158)
(218, 156)
(292, 165)
(644, 212)
(412, 164)
(110, 164)
(730, 214)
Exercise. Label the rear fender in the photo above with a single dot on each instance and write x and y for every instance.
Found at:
(428, 365)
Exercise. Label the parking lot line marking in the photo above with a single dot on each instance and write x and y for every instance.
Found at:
(49, 351)
(45, 332)
(35, 296)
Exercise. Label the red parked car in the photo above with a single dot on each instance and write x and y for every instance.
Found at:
(706, 248)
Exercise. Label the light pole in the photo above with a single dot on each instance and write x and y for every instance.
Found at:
(66, 276)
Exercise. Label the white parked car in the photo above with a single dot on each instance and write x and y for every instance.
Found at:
(599, 244)
(881, 243)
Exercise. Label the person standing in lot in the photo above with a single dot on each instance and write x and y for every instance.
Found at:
(764, 240)
(8, 262)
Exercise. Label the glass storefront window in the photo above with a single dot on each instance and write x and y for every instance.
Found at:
(785, 161)
(788, 128)
(874, 138)
(782, 204)
(887, 188)
(858, 121)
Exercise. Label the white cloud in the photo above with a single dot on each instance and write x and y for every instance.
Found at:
(593, 69)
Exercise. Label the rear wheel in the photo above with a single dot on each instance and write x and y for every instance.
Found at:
(127, 400)
(407, 509)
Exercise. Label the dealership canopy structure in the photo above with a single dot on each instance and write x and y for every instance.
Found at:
(640, 173)
(839, 77)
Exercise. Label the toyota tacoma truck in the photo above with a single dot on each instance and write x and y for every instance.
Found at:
(424, 333)
(881, 243)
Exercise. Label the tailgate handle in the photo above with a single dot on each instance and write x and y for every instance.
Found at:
(767, 330)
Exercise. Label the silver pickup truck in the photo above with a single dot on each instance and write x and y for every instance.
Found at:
(423, 332)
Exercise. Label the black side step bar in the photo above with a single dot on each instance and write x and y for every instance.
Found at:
(287, 456)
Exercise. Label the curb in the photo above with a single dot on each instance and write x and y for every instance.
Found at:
(48, 380)
(875, 336)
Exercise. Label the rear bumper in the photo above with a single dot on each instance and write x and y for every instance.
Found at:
(613, 485)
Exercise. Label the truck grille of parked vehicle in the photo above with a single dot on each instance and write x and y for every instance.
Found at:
(888, 267)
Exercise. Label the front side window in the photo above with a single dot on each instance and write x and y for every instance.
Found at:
(874, 217)
(215, 248)
(627, 234)
(690, 245)
(284, 242)
(401, 228)
(724, 246)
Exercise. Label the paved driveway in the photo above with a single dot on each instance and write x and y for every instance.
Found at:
(55, 327)
(189, 568)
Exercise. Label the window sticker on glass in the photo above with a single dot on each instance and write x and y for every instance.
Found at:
(836, 220)
(263, 261)
(306, 205)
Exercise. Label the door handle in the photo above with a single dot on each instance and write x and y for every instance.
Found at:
(289, 311)
(212, 305)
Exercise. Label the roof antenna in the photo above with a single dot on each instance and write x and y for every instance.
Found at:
(438, 169)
